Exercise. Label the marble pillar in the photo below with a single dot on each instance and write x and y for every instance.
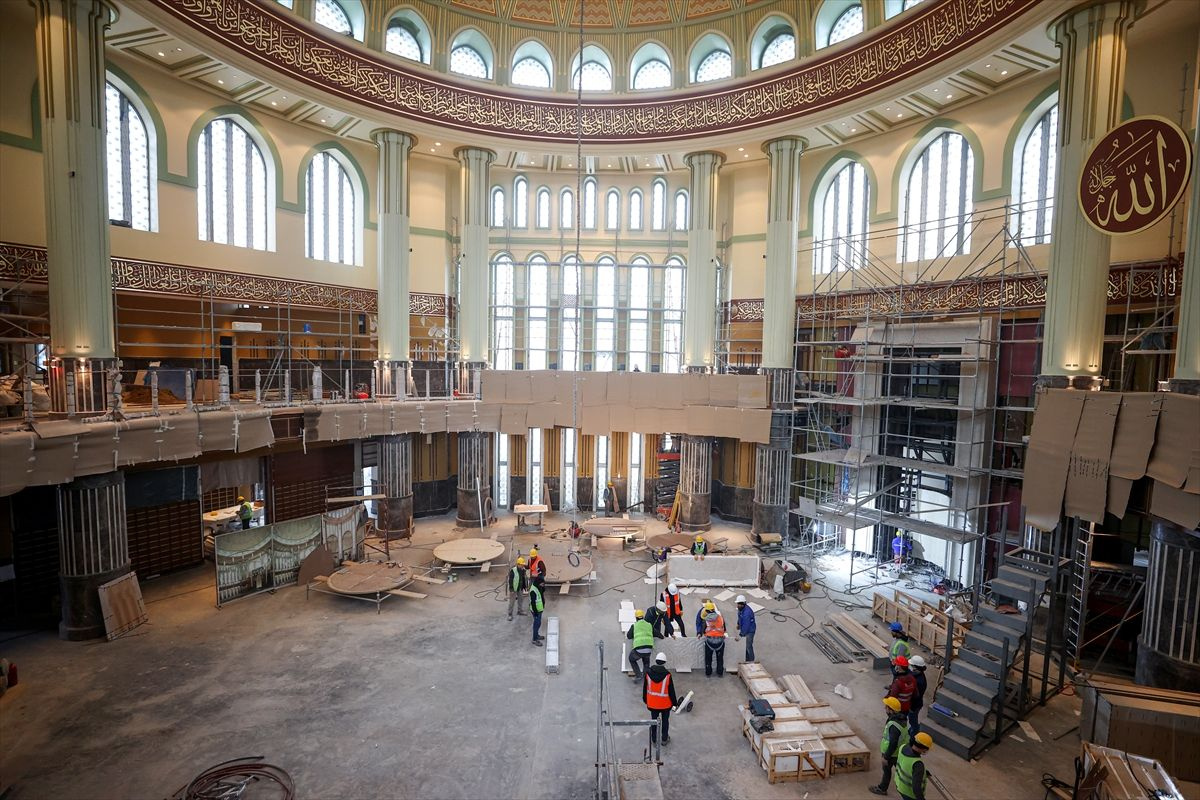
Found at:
(473, 265)
(392, 267)
(783, 228)
(700, 322)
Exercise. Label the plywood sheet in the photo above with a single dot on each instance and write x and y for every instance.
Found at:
(1087, 473)
(1049, 453)
(1177, 439)
(122, 606)
(715, 570)
(369, 577)
(752, 391)
(723, 390)
(1134, 436)
(468, 551)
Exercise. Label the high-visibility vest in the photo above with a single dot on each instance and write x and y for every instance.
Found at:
(903, 690)
(643, 634)
(535, 600)
(535, 565)
(714, 625)
(658, 693)
(900, 742)
(514, 579)
(905, 763)
(674, 604)
(699, 548)
(246, 511)
(900, 648)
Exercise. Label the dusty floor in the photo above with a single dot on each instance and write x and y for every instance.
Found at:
(434, 698)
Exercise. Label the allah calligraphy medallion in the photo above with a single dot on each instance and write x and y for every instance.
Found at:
(1135, 175)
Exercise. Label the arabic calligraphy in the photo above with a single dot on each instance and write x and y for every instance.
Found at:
(1134, 175)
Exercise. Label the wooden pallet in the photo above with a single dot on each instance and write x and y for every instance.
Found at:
(797, 691)
(925, 624)
(848, 754)
(794, 759)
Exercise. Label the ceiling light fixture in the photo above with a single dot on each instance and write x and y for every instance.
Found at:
(437, 144)
(274, 103)
(740, 149)
(949, 97)
(220, 81)
(852, 130)
(322, 120)
(161, 54)
(899, 115)
(1003, 72)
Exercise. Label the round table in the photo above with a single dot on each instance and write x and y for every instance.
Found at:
(465, 552)
(369, 577)
(560, 570)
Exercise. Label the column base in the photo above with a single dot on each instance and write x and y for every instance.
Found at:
(82, 617)
(1184, 386)
(769, 519)
(396, 517)
(695, 512)
(468, 508)
(1164, 672)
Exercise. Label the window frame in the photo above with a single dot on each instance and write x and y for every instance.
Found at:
(612, 214)
(520, 202)
(129, 103)
(917, 168)
(834, 250)
(346, 171)
(205, 201)
(497, 220)
(1042, 125)
(638, 223)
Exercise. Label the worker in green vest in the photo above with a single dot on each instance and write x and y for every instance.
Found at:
(537, 604)
(245, 511)
(899, 644)
(895, 736)
(642, 634)
(911, 775)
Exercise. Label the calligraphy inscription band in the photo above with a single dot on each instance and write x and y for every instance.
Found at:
(1134, 175)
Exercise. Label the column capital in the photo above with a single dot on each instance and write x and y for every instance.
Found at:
(704, 158)
(382, 136)
(1128, 9)
(784, 144)
(466, 155)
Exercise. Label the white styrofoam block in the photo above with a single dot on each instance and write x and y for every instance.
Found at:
(717, 570)
(723, 596)
(552, 626)
(761, 594)
(755, 607)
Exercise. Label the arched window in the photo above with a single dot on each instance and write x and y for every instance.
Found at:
(520, 202)
(672, 326)
(543, 207)
(566, 209)
(1035, 181)
(569, 330)
(401, 40)
(612, 210)
(681, 210)
(635, 210)
(639, 314)
(231, 186)
(937, 201)
(466, 60)
(654, 74)
(840, 240)
(589, 203)
(530, 72)
(658, 205)
(130, 185)
(538, 308)
(716, 66)
(330, 14)
(606, 314)
(594, 68)
(849, 23)
(330, 216)
(503, 299)
(497, 207)
(779, 48)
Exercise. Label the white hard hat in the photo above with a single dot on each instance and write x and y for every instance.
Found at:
(660, 605)
(661, 658)
(916, 661)
(741, 598)
(672, 588)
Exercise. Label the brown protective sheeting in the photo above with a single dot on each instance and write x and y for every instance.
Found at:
(518, 388)
(1118, 495)
(1086, 492)
(695, 389)
(216, 430)
(136, 441)
(723, 390)
(756, 425)
(618, 388)
(674, 420)
(595, 421)
(17, 455)
(1176, 505)
(622, 419)
(1049, 455)
(668, 392)
(512, 420)
(542, 415)
(565, 416)
(1134, 436)
(752, 391)
(254, 431)
(488, 416)
(460, 416)
(1177, 440)
(492, 386)
(433, 417)
(700, 421)
(543, 386)
(178, 437)
(648, 420)
(643, 390)
(230, 474)
(593, 389)
(406, 417)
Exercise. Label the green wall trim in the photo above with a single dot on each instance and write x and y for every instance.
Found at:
(744, 237)
(566, 243)
(434, 232)
(34, 140)
(839, 160)
(245, 116)
(941, 123)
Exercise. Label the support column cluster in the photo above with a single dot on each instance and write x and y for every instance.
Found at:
(1169, 647)
(695, 483)
(395, 481)
(93, 546)
(474, 479)
(700, 322)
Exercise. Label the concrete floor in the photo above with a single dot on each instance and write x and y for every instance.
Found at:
(433, 698)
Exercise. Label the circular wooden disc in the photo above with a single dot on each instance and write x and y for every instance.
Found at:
(368, 578)
(560, 570)
(468, 551)
(671, 540)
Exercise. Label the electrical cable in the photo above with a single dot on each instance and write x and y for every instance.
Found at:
(229, 779)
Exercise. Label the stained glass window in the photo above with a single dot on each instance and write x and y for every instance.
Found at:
(401, 41)
(850, 23)
(530, 72)
(596, 77)
(466, 60)
(654, 74)
(330, 14)
(781, 48)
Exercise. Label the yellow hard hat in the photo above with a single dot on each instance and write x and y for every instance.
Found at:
(639, 613)
(924, 739)
(892, 703)
(241, 499)
(520, 561)
(709, 605)
(533, 551)
(699, 538)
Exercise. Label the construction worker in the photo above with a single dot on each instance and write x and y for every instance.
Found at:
(658, 693)
(699, 548)
(516, 585)
(901, 548)
(610, 500)
(917, 664)
(746, 625)
(673, 600)
(537, 604)
(895, 736)
(656, 615)
(899, 644)
(711, 625)
(642, 634)
(245, 511)
(911, 775)
(537, 567)
(904, 685)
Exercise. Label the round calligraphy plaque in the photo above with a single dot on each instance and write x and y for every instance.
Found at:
(1134, 175)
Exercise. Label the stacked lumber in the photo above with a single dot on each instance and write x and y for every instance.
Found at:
(809, 739)
(875, 648)
(924, 623)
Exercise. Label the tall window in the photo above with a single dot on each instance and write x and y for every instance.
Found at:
(672, 326)
(606, 314)
(635, 210)
(520, 202)
(849, 23)
(543, 207)
(715, 66)
(466, 60)
(330, 214)
(330, 14)
(539, 300)
(612, 210)
(231, 187)
(497, 207)
(681, 210)
(566, 209)
(937, 203)
(841, 239)
(502, 315)
(530, 72)
(401, 41)
(780, 48)
(128, 162)
(654, 74)
(639, 314)
(595, 77)
(589, 203)
(658, 205)
(1035, 184)
(569, 330)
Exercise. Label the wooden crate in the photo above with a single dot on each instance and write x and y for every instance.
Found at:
(775, 698)
(750, 670)
(785, 728)
(821, 713)
(925, 624)
(760, 686)
(794, 759)
(788, 711)
(847, 754)
(797, 691)
(833, 729)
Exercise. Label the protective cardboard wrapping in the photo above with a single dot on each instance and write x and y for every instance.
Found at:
(1176, 505)
(178, 437)
(1087, 474)
(519, 389)
(488, 416)
(622, 418)
(756, 425)
(541, 415)
(433, 417)
(1177, 439)
(595, 421)
(406, 417)
(254, 430)
(460, 416)
(216, 430)
(493, 386)
(17, 456)
(648, 420)
(752, 391)
(618, 388)
(1134, 436)
(723, 390)
(695, 389)
(593, 389)
(512, 420)
(1118, 495)
(543, 386)
(1049, 455)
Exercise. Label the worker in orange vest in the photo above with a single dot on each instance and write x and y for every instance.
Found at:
(711, 625)
(537, 567)
(658, 693)
(674, 602)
